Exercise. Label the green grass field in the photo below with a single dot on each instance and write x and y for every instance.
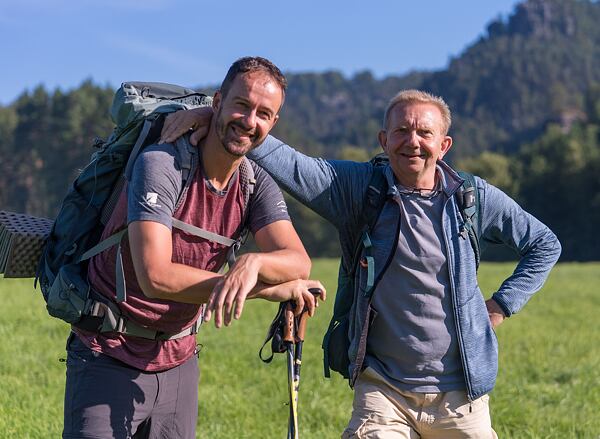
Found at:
(548, 386)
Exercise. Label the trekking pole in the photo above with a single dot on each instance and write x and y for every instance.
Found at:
(290, 348)
(293, 338)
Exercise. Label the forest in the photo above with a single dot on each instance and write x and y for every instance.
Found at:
(525, 99)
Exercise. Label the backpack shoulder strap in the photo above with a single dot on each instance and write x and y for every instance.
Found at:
(467, 197)
(373, 204)
(375, 196)
(374, 199)
(247, 183)
(188, 160)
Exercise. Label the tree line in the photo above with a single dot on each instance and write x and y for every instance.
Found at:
(526, 114)
(46, 138)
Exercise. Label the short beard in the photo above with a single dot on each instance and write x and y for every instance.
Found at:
(221, 130)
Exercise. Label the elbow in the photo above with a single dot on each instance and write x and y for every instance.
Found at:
(152, 285)
(553, 247)
(304, 267)
(557, 249)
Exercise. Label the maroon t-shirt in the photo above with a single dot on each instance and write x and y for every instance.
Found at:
(151, 196)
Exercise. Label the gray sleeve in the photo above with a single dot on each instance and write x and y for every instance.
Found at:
(155, 185)
(504, 221)
(267, 203)
(334, 189)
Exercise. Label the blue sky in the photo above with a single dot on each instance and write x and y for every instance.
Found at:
(62, 42)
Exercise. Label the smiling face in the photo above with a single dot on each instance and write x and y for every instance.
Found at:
(246, 114)
(415, 140)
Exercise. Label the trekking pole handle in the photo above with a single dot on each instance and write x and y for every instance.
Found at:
(288, 329)
(289, 334)
(304, 316)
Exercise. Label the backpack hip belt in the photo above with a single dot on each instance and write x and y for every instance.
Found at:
(105, 317)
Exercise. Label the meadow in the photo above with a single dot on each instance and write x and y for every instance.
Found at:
(548, 385)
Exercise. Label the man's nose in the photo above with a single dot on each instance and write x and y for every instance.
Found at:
(413, 138)
(250, 119)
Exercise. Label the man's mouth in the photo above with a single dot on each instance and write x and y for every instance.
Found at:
(411, 156)
(241, 132)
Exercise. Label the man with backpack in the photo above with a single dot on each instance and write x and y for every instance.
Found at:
(141, 379)
(411, 329)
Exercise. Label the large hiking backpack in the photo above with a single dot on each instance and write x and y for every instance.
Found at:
(336, 341)
(138, 111)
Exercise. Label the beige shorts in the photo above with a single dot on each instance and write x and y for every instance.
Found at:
(383, 411)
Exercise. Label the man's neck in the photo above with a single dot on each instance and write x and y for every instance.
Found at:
(417, 182)
(218, 164)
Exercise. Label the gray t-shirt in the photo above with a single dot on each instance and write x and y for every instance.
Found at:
(412, 341)
(157, 182)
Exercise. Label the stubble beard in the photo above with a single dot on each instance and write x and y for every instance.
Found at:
(233, 146)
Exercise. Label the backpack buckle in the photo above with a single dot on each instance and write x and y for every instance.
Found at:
(121, 324)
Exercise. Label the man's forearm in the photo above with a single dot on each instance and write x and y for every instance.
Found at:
(282, 266)
(179, 283)
(190, 285)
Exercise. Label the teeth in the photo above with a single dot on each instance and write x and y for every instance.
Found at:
(240, 132)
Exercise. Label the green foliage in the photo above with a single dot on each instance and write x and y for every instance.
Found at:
(560, 182)
(48, 139)
(354, 153)
(526, 109)
(496, 168)
(534, 67)
(549, 364)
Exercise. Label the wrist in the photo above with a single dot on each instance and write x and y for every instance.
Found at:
(254, 261)
(260, 291)
(202, 115)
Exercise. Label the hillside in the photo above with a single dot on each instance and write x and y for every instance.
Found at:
(525, 94)
(524, 72)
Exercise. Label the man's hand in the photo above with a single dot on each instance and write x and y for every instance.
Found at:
(495, 313)
(297, 291)
(181, 122)
(229, 295)
(222, 304)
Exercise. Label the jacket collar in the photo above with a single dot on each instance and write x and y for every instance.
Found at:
(451, 181)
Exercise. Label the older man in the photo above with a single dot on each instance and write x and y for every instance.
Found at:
(423, 353)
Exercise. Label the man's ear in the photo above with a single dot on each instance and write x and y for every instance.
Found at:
(382, 137)
(275, 119)
(446, 145)
(216, 101)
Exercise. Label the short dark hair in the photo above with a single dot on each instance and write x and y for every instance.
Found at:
(249, 64)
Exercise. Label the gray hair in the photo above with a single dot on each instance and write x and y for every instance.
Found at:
(412, 96)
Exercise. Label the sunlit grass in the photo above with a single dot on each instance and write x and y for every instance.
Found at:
(548, 386)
